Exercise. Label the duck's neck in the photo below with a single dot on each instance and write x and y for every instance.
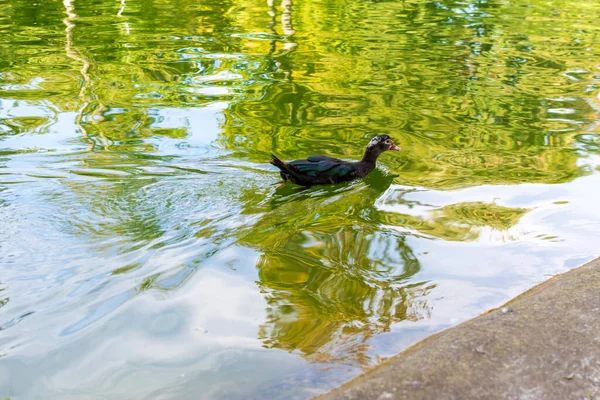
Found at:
(370, 156)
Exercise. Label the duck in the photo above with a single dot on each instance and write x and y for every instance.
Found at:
(323, 170)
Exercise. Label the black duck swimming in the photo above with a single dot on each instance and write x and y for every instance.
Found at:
(323, 170)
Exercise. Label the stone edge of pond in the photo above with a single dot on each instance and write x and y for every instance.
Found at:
(543, 344)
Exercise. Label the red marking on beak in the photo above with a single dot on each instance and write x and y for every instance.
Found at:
(394, 147)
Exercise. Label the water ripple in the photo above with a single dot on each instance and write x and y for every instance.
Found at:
(148, 249)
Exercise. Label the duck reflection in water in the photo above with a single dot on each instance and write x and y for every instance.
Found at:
(333, 276)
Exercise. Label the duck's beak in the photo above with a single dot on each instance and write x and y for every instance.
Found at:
(394, 147)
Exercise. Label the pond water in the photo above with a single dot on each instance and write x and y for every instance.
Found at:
(149, 250)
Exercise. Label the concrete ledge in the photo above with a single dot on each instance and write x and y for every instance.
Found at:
(545, 344)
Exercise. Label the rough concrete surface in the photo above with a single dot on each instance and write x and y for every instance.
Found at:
(545, 344)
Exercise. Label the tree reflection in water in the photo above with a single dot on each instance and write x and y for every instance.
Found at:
(333, 279)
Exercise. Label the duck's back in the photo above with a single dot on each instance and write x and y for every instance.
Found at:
(317, 170)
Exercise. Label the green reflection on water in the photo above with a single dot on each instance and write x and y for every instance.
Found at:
(140, 130)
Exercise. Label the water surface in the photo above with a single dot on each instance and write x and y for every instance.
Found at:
(148, 249)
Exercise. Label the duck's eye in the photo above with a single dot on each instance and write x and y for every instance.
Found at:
(388, 141)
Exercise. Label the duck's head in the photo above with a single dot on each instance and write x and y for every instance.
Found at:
(382, 143)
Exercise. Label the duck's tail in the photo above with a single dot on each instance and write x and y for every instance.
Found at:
(279, 164)
(287, 173)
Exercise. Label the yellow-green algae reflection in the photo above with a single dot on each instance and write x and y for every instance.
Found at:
(148, 250)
